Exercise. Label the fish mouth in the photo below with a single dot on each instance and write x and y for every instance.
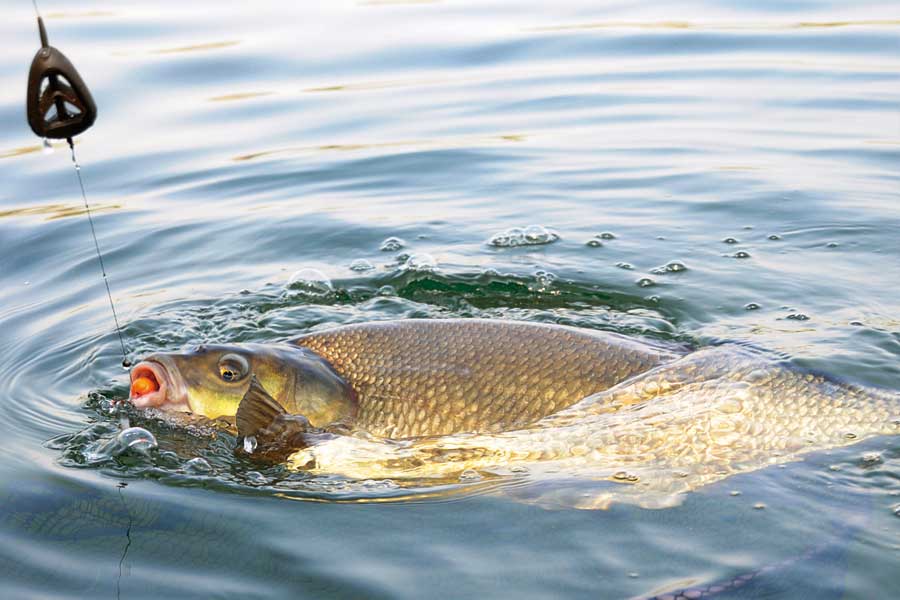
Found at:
(170, 392)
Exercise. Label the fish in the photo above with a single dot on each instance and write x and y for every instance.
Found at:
(682, 425)
(401, 379)
(436, 399)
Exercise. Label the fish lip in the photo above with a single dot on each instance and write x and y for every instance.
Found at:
(172, 392)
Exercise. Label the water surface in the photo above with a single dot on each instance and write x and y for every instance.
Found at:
(757, 144)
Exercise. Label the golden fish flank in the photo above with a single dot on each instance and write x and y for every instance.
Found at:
(737, 412)
(432, 377)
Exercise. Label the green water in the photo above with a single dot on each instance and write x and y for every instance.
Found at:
(238, 145)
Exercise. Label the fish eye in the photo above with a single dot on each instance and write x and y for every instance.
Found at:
(233, 367)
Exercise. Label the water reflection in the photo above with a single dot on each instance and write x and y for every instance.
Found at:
(304, 135)
(197, 47)
(239, 96)
(57, 211)
(718, 26)
(450, 142)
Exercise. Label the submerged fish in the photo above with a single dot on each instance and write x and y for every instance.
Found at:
(433, 399)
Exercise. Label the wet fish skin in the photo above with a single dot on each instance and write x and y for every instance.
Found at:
(421, 377)
(714, 413)
(406, 378)
(273, 433)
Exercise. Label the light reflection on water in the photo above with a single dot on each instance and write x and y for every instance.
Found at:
(235, 147)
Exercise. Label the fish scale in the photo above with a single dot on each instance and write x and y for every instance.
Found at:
(678, 426)
(430, 377)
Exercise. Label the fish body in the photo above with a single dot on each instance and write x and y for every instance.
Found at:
(435, 398)
(713, 413)
(400, 379)
(435, 377)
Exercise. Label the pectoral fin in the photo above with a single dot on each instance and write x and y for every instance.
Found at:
(257, 410)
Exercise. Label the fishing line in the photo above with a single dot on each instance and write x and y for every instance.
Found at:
(60, 106)
(54, 83)
(87, 208)
(122, 485)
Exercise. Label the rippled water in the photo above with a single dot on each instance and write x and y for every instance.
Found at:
(686, 171)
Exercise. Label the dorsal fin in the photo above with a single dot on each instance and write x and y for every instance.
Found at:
(257, 410)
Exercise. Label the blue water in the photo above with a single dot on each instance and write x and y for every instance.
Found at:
(758, 143)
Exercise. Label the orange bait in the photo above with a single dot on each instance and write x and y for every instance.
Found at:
(143, 385)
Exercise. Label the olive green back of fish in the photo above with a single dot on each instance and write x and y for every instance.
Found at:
(434, 377)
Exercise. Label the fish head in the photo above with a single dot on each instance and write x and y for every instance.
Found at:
(211, 380)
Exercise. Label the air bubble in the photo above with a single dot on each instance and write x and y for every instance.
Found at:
(420, 262)
(734, 493)
(671, 267)
(470, 475)
(625, 265)
(730, 240)
(871, 458)
(533, 235)
(197, 465)
(361, 265)
(896, 510)
(538, 234)
(645, 282)
(774, 237)
(378, 484)
(759, 505)
(741, 254)
(594, 243)
(137, 439)
(798, 317)
(310, 281)
(832, 245)
(607, 236)
(751, 306)
(544, 280)
(392, 244)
